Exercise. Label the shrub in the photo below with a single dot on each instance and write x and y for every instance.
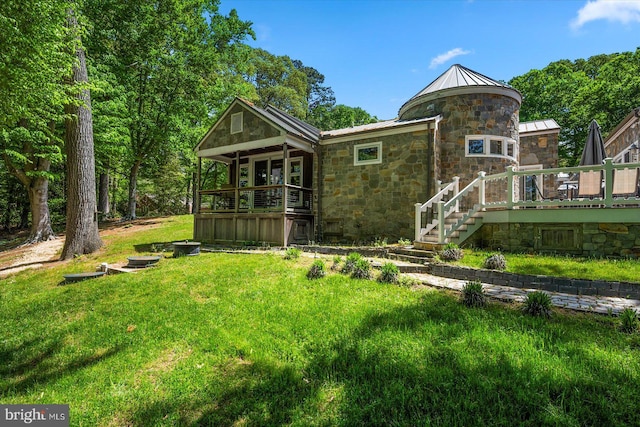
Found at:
(361, 269)
(537, 304)
(350, 262)
(451, 252)
(389, 273)
(337, 260)
(404, 242)
(317, 270)
(292, 253)
(495, 262)
(473, 294)
(628, 320)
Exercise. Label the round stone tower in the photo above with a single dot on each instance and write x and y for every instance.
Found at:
(478, 123)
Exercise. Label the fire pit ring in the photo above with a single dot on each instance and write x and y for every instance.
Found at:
(142, 261)
(78, 277)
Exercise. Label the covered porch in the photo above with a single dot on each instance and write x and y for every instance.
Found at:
(255, 178)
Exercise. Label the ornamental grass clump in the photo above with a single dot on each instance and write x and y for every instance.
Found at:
(361, 269)
(350, 262)
(337, 260)
(389, 273)
(292, 253)
(451, 252)
(537, 304)
(495, 262)
(628, 320)
(473, 294)
(317, 270)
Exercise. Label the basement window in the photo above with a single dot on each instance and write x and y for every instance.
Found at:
(236, 123)
(367, 154)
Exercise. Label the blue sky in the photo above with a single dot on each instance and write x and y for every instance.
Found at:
(376, 54)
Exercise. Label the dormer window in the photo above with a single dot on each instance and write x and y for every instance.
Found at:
(236, 123)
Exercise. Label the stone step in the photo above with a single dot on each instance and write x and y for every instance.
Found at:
(412, 252)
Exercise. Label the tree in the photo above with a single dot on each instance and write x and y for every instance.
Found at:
(279, 83)
(603, 87)
(320, 99)
(177, 61)
(342, 116)
(82, 235)
(34, 62)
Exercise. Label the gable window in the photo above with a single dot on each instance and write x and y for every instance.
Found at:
(367, 154)
(236, 123)
(490, 146)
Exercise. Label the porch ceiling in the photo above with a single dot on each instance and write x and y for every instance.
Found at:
(222, 153)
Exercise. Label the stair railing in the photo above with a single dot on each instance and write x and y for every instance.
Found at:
(428, 210)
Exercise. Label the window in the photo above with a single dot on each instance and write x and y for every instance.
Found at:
(236, 123)
(367, 154)
(490, 146)
(295, 172)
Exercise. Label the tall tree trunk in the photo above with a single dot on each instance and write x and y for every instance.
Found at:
(103, 195)
(133, 190)
(40, 219)
(82, 223)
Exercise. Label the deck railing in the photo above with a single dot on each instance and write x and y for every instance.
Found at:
(520, 189)
(273, 198)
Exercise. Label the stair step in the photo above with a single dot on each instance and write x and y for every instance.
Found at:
(413, 252)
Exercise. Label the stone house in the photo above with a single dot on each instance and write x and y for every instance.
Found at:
(289, 182)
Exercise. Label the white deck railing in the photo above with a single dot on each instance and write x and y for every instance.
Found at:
(513, 189)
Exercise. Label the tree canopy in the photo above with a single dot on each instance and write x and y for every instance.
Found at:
(602, 87)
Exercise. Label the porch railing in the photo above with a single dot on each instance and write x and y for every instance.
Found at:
(521, 189)
(273, 198)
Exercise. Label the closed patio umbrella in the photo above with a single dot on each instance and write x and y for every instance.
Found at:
(593, 153)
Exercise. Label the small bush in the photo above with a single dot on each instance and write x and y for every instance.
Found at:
(473, 294)
(405, 281)
(317, 270)
(628, 320)
(495, 262)
(292, 253)
(451, 254)
(389, 273)
(361, 269)
(337, 260)
(404, 242)
(380, 241)
(537, 304)
(350, 262)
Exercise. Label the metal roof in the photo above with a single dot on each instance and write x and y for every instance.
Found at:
(538, 126)
(458, 76)
(289, 123)
(387, 124)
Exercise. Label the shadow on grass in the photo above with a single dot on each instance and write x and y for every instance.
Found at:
(422, 364)
(38, 361)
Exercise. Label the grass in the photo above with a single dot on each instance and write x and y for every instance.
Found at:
(617, 270)
(247, 339)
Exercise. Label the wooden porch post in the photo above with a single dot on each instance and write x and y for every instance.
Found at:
(285, 173)
(237, 186)
(608, 182)
(196, 208)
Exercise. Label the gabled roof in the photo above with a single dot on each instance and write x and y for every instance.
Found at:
(373, 127)
(459, 80)
(539, 126)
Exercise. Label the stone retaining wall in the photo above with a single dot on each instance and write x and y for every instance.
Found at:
(543, 283)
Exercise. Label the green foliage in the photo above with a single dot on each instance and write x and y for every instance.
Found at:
(389, 273)
(380, 242)
(473, 294)
(602, 87)
(342, 116)
(337, 260)
(350, 262)
(292, 253)
(537, 304)
(628, 320)
(404, 242)
(361, 269)
(317, 270)
(495, 262)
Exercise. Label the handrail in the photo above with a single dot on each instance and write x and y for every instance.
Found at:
(511, 200)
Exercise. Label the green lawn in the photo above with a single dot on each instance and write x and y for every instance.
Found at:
(616, 270)
(247, 339)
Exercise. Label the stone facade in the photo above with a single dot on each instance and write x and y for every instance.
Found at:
(624, 136)
(254, 128)
(362, 202)
(582, 239)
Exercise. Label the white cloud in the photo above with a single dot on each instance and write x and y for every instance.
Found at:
(624, 11)
(444, 57)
